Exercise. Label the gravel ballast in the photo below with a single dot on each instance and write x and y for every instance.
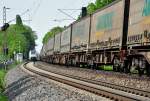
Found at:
(23, 87)
(122, 79)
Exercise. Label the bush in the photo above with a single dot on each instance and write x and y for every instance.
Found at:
(2, 81)
(3, 97)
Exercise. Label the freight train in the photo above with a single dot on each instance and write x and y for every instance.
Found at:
(117, 35)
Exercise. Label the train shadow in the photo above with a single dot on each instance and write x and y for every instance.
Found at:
(18, 87)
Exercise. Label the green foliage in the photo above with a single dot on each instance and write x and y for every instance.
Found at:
(79, 17)
(51, 33)
(31, 36)
(56, 30)
(18, 20)
(2, 81)
(1, 57)
(46, 37)
(92, 7)
(3, 97)
(20, 38)
(101, 3)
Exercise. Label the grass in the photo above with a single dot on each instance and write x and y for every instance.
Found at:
(2, 85)
(106, 67)
(2, 81)
(3, 97)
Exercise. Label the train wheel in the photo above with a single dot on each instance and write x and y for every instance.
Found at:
(126, 66)
(138, 65)
(133, 65)
(147, 69)
(116, 64)
(142, 66)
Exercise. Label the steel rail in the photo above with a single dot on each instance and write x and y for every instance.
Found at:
(106, 84)
(112, 94)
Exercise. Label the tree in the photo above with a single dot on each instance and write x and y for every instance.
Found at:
(20, 38)
(56, 30)
(91, 8)
(51, 33)
(18, 20)
(101, 3)
(46, 37)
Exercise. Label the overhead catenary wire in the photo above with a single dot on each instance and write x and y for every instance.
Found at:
(20, 15)
(65, 11)
(74, 10)
(37, 8)
(28, 10)
(60, 20)
(32, 5)
(32, 9)
(66, 14)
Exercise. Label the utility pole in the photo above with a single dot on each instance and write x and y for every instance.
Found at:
(4, 15)
(5, 48)
(4, 21)
(19, 48)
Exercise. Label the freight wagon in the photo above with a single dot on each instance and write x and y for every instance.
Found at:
(80, 41)
(65, 45)
(117, 35)
(43, 53)
(56, 54)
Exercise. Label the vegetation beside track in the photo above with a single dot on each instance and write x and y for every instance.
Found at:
(106, 67)
(3, 97)
(2, 79)
(3, 72)
(20, 38)
(2, 84)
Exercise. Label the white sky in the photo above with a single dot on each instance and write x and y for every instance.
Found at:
(42, 13)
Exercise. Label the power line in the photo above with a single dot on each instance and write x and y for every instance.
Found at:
(36, 9)
(25, 12)
(62, 11)
(70, 9)
(20, 15)
(60, 20)
(73, 12)
(33, 4)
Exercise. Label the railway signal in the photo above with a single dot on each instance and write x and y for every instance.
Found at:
(5, 27)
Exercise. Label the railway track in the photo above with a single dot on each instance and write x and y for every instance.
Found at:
(110, 85)
(105, 90)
